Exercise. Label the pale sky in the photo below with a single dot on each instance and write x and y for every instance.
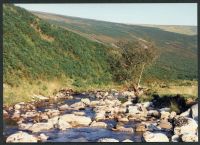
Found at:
(160, 14)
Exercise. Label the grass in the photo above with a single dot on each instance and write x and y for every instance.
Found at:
(25, 91)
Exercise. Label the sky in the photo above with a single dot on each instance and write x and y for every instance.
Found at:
(158, 14)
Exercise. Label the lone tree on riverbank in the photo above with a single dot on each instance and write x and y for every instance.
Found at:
(135, 56)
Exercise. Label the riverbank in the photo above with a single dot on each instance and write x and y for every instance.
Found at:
(99, 116)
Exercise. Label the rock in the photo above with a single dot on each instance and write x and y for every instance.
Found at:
(94, 103)
(52, 112)
(184, 125)
(133, 110)
(25, 126)
(100, 116)
(154, 113)
(172, 115)
(153, 127)
(165, 124)
(164, 115)
(175, 138)
(141, 128)
(21, 137)
(123, 129)
(81, 139)
(63, 125)
(98, 124)
(78, 105)
(5, 114)
(107, 140)
(40, 97)
(147, 104)
(44, 117)
(30, 114)
(194, 111)
(17, 107)
(127, 103)
(189, 138)
(164, 109)
(16, 115)
(86, 101)
(186, 113)
(53, 120)
(129, 94)
(64, 107)
(76, 120)
(124, 119)
(155, 137)
(127, 140)
(43, 137)
(37, 127)
(79, 113)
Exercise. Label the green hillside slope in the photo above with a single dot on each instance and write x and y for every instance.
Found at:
(178, 52)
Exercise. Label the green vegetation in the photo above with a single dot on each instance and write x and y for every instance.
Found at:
(41, 58)
(178, 52)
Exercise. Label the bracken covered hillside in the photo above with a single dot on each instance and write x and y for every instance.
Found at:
(178, 52)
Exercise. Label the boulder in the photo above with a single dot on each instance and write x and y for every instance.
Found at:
(38, 127)
(127, 103)
(53, 120)
(21, 137)
(79, 113)
(186, 113)
(165, 125)
(123, 119)
(123, 129)
(81, 139)
(25, 126)
(175, 138)
(76, 120)
(94, 103)
(184, 125)
(30, 114)
(86, 101)
(64, 107)
(172, 115)
(107, 140)
(40, 97)
(141, 127)
(133, 110)
(189, 138)
(155, 137)
(127, 140)
(147, 104)
(100, 115)
(17, 107)
(165, 115)
(5, 114)
(63, 125)
(165, 109)
(154, 113)
(78, 105)
(153, 127)
(43, 137)
(98, 124)
(52, 112)
(194, 111)
(129, 94)
(16, 115)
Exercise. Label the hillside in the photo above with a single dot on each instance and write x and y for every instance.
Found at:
(178, 52)
(34, 49)
(188, 30)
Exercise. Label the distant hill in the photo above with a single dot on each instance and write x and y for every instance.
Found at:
(188, 30)
(178, 52)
